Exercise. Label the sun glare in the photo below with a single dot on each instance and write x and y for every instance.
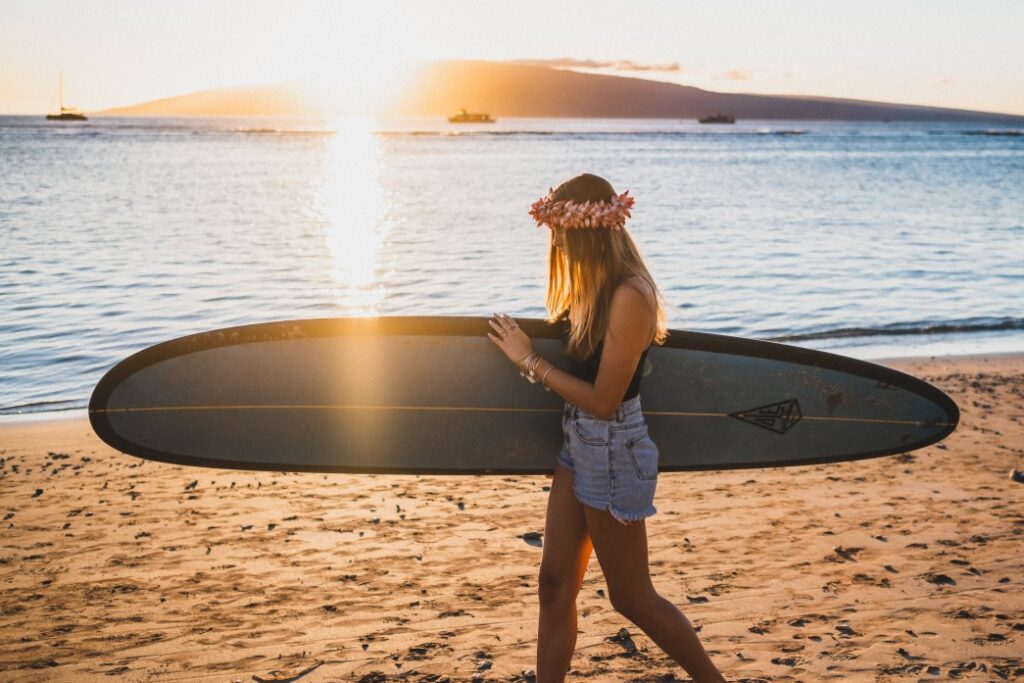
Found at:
(354, 213)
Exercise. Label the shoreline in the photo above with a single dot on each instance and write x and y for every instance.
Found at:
(900, 568)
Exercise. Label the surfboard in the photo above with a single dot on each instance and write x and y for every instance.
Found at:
(433, 395)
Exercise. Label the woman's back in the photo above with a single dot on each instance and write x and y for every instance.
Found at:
(586, 368)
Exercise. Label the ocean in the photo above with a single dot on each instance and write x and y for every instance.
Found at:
(874, 240)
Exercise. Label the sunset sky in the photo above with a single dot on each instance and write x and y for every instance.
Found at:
(119, 52)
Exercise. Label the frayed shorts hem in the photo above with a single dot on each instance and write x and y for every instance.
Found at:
(620, 516)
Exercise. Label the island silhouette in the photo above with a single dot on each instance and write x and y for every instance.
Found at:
(518, 90)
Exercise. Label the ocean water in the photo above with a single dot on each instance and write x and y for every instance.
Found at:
(871, 239)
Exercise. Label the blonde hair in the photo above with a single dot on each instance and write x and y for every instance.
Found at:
(593, 262)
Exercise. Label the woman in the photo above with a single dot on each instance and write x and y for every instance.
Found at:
(606, 473)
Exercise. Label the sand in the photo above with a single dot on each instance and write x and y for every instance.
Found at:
(902, 568)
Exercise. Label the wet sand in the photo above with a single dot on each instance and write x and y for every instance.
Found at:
(902, 568)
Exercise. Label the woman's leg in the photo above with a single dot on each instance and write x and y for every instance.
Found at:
(622, 552)
(564, 562)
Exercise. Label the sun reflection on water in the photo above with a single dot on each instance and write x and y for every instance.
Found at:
(355, 214)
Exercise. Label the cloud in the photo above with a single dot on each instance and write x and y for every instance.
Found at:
(943, 82)
(620, 65)
(734, 75)
(633, 66)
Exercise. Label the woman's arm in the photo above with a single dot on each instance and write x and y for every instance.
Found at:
(630, 325)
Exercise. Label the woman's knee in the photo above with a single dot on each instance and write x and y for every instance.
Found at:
(633, 602)
(555, 587)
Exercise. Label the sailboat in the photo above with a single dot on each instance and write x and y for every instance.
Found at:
(66, 113)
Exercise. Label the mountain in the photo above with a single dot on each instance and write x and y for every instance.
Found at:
(518, 90)
(504, 90)
(275, 100)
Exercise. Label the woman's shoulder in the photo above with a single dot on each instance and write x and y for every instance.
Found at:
(633, 305)
(635, 288)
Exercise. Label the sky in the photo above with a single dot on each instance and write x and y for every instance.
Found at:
(964, 54)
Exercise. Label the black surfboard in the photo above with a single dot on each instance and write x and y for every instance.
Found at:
(433, 395)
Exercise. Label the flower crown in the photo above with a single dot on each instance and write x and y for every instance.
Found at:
(569, 214)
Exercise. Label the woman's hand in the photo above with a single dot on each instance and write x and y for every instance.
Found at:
(509, 337)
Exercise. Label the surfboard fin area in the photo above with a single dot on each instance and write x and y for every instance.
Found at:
(433, 395)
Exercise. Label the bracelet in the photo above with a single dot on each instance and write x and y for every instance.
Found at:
(528, 369)
(532, 376)
(544, 377)
(531, 369)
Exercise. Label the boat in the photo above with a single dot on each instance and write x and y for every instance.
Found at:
(465, 117)
(66, 113)
(718, 118)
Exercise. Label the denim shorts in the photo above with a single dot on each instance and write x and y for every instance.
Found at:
(614, 462)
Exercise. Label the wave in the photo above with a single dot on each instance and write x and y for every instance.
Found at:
(1001, 133)
(277, 131)
(576, 134)
(579, 133)
(94, 128)
(211, 128)
(910, 329)
(995, 132)
(44, 407)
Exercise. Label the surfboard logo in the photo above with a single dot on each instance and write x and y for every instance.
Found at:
(776, 417)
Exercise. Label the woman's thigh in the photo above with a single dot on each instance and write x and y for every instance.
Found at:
(567, 545)
(621, 551)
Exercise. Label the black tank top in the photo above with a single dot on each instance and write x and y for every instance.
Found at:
(586, 369)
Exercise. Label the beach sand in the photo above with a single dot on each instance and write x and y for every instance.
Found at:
(902, 568)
